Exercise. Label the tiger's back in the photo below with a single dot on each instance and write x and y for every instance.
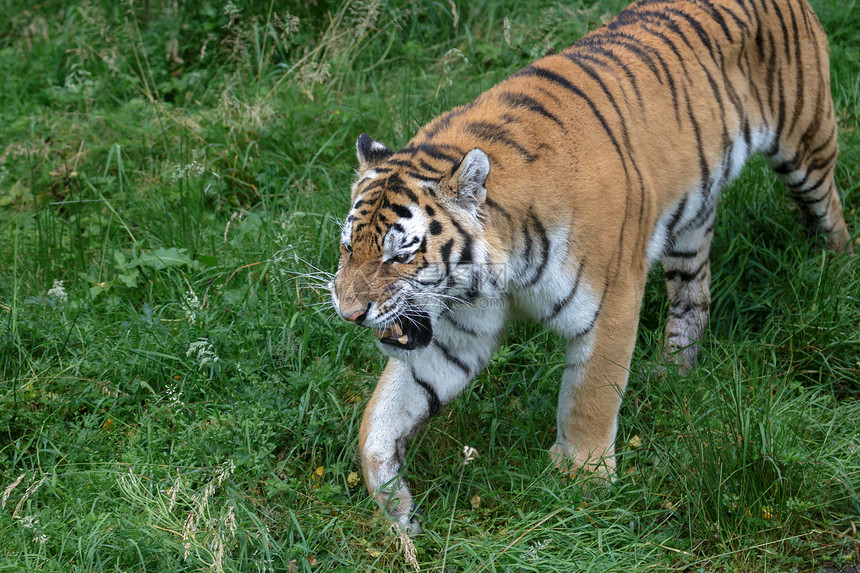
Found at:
(551, 194)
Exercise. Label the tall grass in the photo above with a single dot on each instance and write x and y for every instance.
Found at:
(174, 398)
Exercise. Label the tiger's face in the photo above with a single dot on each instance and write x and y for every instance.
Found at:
(409, 245)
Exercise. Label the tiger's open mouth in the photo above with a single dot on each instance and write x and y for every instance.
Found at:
(408, 333)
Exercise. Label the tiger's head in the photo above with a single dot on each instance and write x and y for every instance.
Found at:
(412, 244)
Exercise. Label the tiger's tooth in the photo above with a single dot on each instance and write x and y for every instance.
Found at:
(396, 329)
(403, 340)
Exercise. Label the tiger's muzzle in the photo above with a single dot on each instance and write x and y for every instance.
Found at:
(407, 328)
(412, 329)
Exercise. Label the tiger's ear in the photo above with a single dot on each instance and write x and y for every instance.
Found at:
(370, 153)
(469, 177)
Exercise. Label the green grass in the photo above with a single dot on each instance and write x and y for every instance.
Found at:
(191, 405)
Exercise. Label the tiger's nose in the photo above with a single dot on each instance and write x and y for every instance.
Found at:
(357, 316)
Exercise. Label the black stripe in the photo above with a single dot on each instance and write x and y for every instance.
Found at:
(669, 78)
(780, 120)
(401, 211)
(453, 322)
(544, 239)
(684, 276)
(493, 205)
(593, 320)
(397, 186)
(401, 162)
(831, 137)
(427, 167)
(740, 108)
(446, 255)
(466, 251)
(703, 162)
(811, 188)
(717, 96)
(816, 165)
(770, 80)
(740, 22)
(591, 56)
(676, 217)
(799, 184)
(785, 37)
(754, 90)
(433, 402)
(681, 254)
(702, 216)
(802, 201)
(422, 177)
(788, 165)
(718, 18)
(434, 150)
(374, 183)
(494, 132)
(676, 312)
(823, 162)
(521, 100)
(452, 358)
(759, 43)
(527, 237)
(570, 296)
(697, 27)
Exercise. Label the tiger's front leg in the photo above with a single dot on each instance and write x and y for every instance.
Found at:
(399, 405)
(406, 396)
(595, 376)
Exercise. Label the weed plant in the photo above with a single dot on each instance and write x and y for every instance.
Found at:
(176, 394)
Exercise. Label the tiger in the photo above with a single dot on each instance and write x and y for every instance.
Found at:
(551, 195)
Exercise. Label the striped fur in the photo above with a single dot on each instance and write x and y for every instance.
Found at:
(550, 195)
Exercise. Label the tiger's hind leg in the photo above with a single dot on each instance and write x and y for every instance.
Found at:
(806, 170)
(687, 271)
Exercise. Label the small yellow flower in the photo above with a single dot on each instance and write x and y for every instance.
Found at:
(317, 477)
(352, 480)
(476, 502)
